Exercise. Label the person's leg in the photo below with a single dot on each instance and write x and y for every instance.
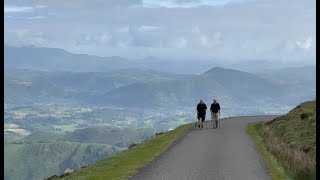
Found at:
(212, 120)
(203, 119)
(216, 119)
(198, 117)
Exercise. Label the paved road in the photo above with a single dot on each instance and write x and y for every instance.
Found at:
(225, 153)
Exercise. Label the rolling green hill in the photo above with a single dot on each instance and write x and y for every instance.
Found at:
(40, 160)
(229, 86)
(117, 137)
(103, 135)
(17, 91)
(289, 142)
(150, 89)
(298, 128)
(127, 163)
(30, 86)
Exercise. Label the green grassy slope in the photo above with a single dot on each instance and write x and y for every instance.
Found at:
(127, 163)
(117, 137)
(288, 143)
(298, 127)
(40, 160)
(104, 135)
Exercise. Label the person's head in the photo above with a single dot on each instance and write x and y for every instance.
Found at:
(215, 101)
(201, 101)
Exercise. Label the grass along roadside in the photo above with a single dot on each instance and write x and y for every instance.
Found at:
(276, 171)
(291, 140)
(128, 162)
(297, 163)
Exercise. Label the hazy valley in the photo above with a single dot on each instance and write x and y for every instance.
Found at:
(84, 108)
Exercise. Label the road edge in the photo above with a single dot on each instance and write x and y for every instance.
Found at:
(275, 170)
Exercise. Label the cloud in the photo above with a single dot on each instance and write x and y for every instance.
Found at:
(186, 3)
(26, 36)
(26, 17)
(105, 37)
(17, 9)
(123, 29)
(181, 42)
(75, 4)
(146, 28)
(21, 9)
(123, 43)
(206, 40)
(94, 39)
(307, 44)
(249, 29)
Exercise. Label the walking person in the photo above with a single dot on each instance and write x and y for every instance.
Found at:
(201, 113)
(215, 113)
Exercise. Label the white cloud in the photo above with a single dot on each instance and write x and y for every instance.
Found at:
(40, 6)
(123, 43)
(196, 30)
(105, 37)
(181, 42)
(248, 30)
(307, 44)
(26, 17)
(20, 9)
(26, 36)
(205, 40)
(148, 28)
(123, 29)
(15, 9)
(187, 3)
(94, 39)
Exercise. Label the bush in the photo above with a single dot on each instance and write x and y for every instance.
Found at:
(132, 145)
(304, 115)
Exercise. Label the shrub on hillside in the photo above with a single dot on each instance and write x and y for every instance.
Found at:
(304, 115)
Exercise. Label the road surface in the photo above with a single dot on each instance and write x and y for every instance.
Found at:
(225, 153)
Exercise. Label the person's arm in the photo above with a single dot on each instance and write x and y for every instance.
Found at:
(219, 109)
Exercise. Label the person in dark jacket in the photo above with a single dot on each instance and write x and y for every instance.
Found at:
(201, 113)
(215, 113)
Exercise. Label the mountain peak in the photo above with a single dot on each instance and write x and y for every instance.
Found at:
(215, 69)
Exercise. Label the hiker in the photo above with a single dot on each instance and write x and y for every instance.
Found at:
(201, 113)
(215, 113)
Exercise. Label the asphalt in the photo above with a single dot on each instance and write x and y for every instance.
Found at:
(224, 153)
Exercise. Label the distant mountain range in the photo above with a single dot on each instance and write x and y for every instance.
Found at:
(227, 85)
(48, 75)
(152, 89)
(54, 59)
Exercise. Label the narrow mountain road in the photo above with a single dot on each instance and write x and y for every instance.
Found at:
(224, 153)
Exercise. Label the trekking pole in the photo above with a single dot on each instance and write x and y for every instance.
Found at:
(219, 119)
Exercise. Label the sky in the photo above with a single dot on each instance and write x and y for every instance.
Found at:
(228, 30)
